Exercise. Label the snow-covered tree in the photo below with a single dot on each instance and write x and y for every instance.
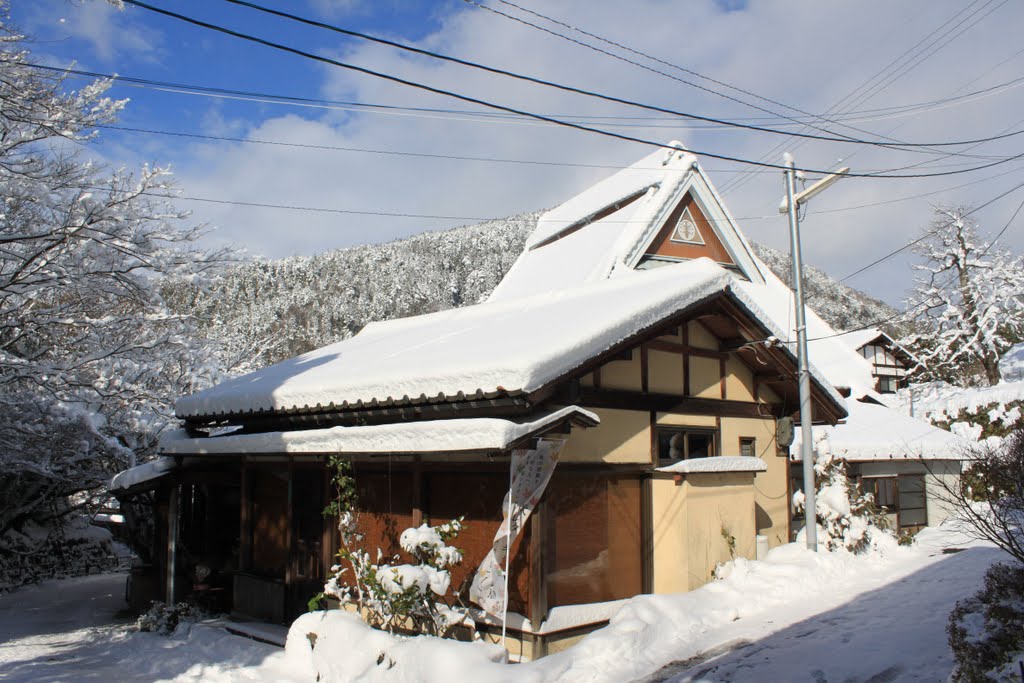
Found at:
(90, 356)
(969, 299)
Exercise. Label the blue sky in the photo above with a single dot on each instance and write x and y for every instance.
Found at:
(800, 56)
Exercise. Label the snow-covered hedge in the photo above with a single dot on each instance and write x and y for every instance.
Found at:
(986, 631)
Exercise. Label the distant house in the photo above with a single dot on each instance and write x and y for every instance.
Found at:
(638, 335)
(890, 362)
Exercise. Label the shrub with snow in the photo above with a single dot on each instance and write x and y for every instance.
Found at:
(395, 596)
(986, 631)
(164, 619)
(847, 517)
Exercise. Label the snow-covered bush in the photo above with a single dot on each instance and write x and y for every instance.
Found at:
(847, 517)
(391, 595)
(986, 631)
(164, 619)
(395, 596)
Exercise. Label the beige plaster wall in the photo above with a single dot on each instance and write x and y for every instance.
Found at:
(664, 372)
(689, 517)
(771, 488)
(622, 374)
(705, 377)
(739, 380)
(624, 436)
(699, 336)
(717, 505)
(668, 538)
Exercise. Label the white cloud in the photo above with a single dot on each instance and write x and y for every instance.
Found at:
(111, 33)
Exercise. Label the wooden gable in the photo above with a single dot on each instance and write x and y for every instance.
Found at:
(688, 234)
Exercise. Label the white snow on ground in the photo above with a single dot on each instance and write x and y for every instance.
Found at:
(795, 616)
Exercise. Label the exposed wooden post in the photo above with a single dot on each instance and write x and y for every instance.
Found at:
(417, 491)
(245, 523)
(646, 536)
(538, 607)
(289, 567)
(172, 541)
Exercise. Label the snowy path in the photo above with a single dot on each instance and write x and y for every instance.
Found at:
(893, 633)
(76, 630)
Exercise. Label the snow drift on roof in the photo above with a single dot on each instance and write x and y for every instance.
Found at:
(511, 346)
(516, 345)
(140, 474)
(858, 338)
(429, 436)
(876, 432)
(646, 173)
(720, 463)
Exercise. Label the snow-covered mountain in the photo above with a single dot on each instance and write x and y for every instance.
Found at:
(268, 310)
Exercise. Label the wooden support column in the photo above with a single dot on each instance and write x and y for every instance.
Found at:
(172, 541)
(245, 523)
(644, 369)
(686, 359)
(417, 491)
(646, 536)
(722, 375)
(538, 607)
(289, 567)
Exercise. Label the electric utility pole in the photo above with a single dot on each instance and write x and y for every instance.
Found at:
(792, 205)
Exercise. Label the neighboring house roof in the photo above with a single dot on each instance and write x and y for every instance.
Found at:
(491, 349)
(858, 339)
(875, 432)
(429, 436)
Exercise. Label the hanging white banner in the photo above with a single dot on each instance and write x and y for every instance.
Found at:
(530, 473)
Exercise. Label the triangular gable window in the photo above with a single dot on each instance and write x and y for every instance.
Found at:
(686, 230)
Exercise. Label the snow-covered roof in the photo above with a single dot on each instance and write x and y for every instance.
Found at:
(875, 432)
(141, 474)
(721, 463)
(836, 360)
(612, 246)
(495, 348)
(429, 436)
(856, 339)
(569, 247)
(662, 170)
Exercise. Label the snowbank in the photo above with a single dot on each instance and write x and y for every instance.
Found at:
(337, 646)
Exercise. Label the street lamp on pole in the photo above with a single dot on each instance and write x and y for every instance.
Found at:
(791, 205)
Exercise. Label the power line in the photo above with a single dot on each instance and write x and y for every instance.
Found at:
(580, 91)
(926, 235)
(738, 181)
(663, 62)
(521, 112)
(214, 91)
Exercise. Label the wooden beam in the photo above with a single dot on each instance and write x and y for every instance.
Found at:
(666, 403)
(245, 537)
(644, 368)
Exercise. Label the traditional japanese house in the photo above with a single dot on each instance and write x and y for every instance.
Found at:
(637, 330)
